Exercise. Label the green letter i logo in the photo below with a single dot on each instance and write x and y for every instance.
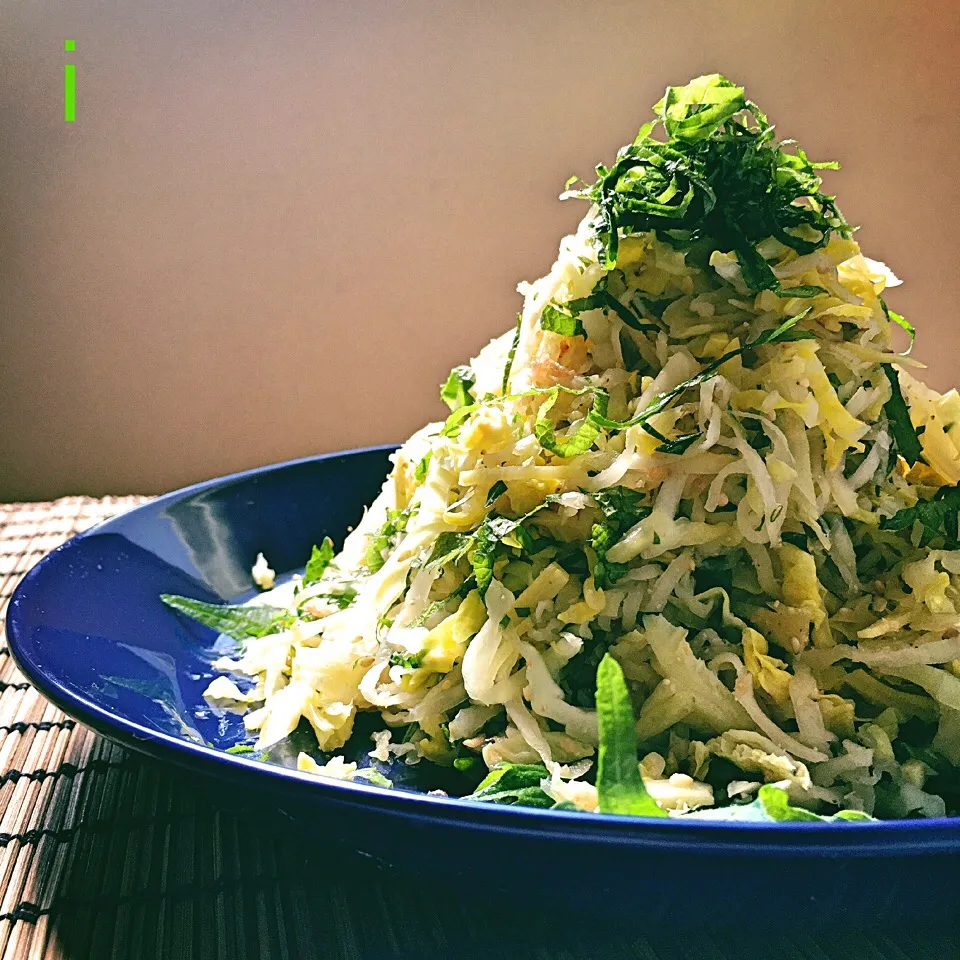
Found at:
(69, 85)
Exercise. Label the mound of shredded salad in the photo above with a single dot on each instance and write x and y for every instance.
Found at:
(687, 542)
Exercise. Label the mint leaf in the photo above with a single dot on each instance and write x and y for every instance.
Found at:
(602, 537)
(449, 548)
(451, 427)
(320, 558)
(803, 290)
(517, 784)
(905, 438)
(622, 504)
(939, 517)
(772, 805)
(604, 300)
(484, 548)
(699, 109)
(485, 541)
(620, 787)
(586, 434)
(776, 805)
(511, 353)
(632, 358)
(621, 508)
(496, 492)
(719, 181)
(901, 322)
(234, 620)
(564, 324)
(409, 660)
(455, 393)
(420, 473)
(678, 445)
(385, 539)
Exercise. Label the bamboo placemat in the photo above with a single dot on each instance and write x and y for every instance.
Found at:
(104, 856)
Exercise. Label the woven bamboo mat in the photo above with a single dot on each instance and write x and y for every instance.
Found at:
(104, 856)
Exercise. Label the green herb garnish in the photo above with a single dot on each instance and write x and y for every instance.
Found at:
(720, 179)
(455, 393)
(772, 805)
(620, 787)
(496, 492)
(556, 320)
(236, 621)
(517, 784)
(905, 438)
(901, 322)
(938, 517)
(409, 660)
(320, 558)
(420, 472)
(622, 508)
(511, 353)
(385, 539)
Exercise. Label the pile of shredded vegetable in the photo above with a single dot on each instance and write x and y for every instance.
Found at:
(699, 461)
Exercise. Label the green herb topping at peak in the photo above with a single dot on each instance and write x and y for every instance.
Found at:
(720, 179)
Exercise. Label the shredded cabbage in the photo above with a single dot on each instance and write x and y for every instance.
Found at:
(691, 454)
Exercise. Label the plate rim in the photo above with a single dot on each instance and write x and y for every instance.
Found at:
(886, 838)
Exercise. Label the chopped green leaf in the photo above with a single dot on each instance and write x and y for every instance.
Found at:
(720, 180)
(465, 764)
(699, 109)
(632, 358)
(455, 393)
(800, 291)
(240, 748)
(602, 537)
(420, 473)
(385, 539)
(451, 427)
(343, 596)
(938, 517)
(486, 539)
(449, 548)
(373, 776)
(320, 558)
(620, 787)
(772, 805)
(485, 544)
(238, 621)
(409, 660)
(905, 438)
(679, 445)
(602, 299)
(621, 508)
(510, 355)
(496, 492)
(517, 784)
(901, 322)
(621, 504)
(584, 437)
(564, 324)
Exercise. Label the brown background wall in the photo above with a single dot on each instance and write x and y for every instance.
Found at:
(272, 231)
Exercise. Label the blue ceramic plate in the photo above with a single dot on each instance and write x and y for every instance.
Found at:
(86, 625)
